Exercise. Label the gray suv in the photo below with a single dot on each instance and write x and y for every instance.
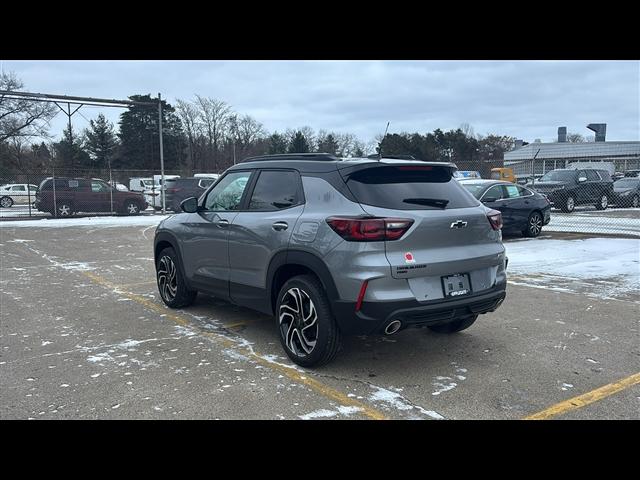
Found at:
(334, 247)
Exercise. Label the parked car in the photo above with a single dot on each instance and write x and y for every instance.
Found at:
(632, 173)
(460, 174)
(567, 188)
(17, 194)
(74, 195)
(626, 192)
(335, 247)
(523, 210)
(180, 188)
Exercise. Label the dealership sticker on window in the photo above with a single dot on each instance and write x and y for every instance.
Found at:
(408, 258)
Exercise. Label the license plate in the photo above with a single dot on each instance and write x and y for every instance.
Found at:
(456, 285)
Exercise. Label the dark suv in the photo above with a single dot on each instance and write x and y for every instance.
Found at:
(566, 188)
(332, 247)
(180, 188)
(73, 195)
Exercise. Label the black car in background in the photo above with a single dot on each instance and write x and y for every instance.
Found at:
(523, 210)
(566, 188)
(626, 192)
(180, 188)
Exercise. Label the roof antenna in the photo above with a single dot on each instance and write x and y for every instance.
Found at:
(383, 137)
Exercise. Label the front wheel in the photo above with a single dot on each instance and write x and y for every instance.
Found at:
(65, 209)
(307, 329)
(603, 203)
(455, 326)
(171, 283)
(534, 225)
(131, 208)
(6, 202)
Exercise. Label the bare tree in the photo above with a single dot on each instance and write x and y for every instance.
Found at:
(189, 115)
(575, 138)
(214, 117)
(22, 118)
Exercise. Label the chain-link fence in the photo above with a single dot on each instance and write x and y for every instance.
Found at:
(593, 197)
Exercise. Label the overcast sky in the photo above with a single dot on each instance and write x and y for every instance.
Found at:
(524, 99)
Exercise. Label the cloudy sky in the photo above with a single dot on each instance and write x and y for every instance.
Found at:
(524, 99)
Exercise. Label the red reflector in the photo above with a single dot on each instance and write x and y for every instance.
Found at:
(363, 290)
(495, 219)
(372, 229)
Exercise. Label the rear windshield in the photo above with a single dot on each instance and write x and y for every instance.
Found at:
(558, 176)
(409, 188)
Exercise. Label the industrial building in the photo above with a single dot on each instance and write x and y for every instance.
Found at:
(538, 158)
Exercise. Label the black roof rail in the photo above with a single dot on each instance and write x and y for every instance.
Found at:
(322, 157)
(375, 156)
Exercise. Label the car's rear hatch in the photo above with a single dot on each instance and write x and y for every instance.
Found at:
(450, 233)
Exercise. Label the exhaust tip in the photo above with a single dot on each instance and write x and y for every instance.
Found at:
(393, 327)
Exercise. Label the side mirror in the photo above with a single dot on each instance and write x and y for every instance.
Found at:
(582, 179)
(189, 205)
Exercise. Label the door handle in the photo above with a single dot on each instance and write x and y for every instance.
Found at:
(280, 226)
(223, 222)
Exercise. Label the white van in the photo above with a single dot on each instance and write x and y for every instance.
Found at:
(140, 184)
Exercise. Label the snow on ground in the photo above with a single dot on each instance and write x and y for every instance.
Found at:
(600, 267)
(106, 221)
(593, 224)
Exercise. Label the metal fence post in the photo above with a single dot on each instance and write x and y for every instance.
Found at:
(162, 189)
(112, 187)
(53, 181)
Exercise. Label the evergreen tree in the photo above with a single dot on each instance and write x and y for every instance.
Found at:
(70, 151)
(299, 143)
(277, 144)
(100, 141)
(328, 144)
(139, 138)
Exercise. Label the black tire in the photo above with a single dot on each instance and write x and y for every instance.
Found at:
(65, 210)
(455, 326)
(534, 225)
(568, 204)
(6, 202)
(179, 296)
(131, 207)
(603, 202)
(326, 335)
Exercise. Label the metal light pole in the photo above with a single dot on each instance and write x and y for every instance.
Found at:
(161, 152)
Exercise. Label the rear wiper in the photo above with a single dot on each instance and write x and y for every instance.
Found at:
(431, 202)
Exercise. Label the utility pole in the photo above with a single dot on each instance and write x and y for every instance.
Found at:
(161, 153)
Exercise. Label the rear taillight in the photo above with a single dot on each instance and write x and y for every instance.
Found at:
(372, 229)
(495, 219)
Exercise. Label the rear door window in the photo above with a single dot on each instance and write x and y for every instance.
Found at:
(276, 190)
(409, 187)
(593, 176)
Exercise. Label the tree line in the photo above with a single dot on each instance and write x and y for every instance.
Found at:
(204, 134)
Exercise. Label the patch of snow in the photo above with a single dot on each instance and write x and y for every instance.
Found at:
(106, 221)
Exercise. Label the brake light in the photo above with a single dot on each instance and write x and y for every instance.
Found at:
(372, 229)
(495, 219)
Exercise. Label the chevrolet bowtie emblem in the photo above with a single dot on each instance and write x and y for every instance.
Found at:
(458, 224)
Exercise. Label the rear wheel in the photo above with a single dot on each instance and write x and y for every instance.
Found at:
(455, 326)
(635, 201)
(569, 204)
(171, 283)
(603, 202)
(306, 326)
(6, 202)
(534, 225)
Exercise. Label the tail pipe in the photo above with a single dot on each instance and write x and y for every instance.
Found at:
(393, 327)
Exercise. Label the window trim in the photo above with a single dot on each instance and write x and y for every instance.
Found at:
(481, 199)
(299, 193)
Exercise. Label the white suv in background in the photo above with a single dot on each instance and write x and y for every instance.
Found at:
(17, 193)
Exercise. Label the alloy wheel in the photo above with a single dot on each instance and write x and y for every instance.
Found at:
(132, 208)
(167, 281)
(535, 225)
(6, 202)
(298, 322)
(570, 204)
(64, 210)
(604, 201)
(635, 202)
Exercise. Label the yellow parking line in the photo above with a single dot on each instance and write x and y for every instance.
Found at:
(289, 372)
(586, 398)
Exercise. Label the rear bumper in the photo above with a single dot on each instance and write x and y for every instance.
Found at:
(373, 317)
